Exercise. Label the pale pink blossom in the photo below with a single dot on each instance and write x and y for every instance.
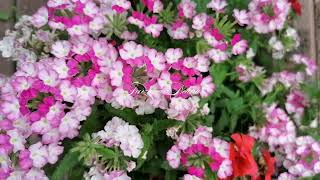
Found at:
(40, 18)
(54, 151)
(131, 50)
(173, 157)
(91, 9)
(61, 49)
(173, 55)
(199, 21)
(207, 87)
(217, 5)
(38, 155)
(17, 140)
(49, 77)
(157, 59)
(165, 83)
(241, 17)
(218, 55)
(154, 29)
(187, 8)
(123, 97)
(239, 46)
(121, 5)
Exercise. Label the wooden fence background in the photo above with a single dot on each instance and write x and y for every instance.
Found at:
(308, 25)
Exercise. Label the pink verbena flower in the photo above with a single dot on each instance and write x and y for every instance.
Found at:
(200, 150)
(191, 177)
(117, 175)
(173, 55)
(40, 18)
(310, 64)
(217, 5)
(152, 27)
(199, 21)
(5, 144)
(239, 46)
(296, 103)
(268, 16)
(278, 131)
(241, 16)
(61, 49)
(137, 19)
(179, 30)
(305, 160)
(247, 74)
(173, 157)
(154, 6)
(187, 8)
(121, 6)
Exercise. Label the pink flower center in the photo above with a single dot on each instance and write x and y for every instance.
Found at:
(268, 10)
(84, 68)
(199, 160)
(33, 104)
(309, 159)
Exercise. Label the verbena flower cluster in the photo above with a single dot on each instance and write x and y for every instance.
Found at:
(154, 89)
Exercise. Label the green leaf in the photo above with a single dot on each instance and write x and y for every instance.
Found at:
(237, 4)
(167, 16)
(223, 122)
(171, 175)
(147, 141)
(228, 92)
(161, 125)
(209, 175)
(316, 177)
(219, 72)
(147, 138)
(225, 26)
(201, 5)
(233, 122)
(105, 152)
(127, 114)
(69, 161)
(92, 124)
(202, 46)
(235, 105)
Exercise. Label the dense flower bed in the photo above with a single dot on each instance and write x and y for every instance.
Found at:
(159, 89)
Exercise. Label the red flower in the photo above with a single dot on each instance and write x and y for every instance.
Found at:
(243, 162)
(296, 6)
(270, 163)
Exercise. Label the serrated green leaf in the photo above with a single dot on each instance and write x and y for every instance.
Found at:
(233, 122)
(235, 105)
(127, 114)
(225, 26)
(202, 47)
(209, 174)
(69, 161)
(228, 92)
(160, 125)
(219, 73)
(104, 151)
(222, 123)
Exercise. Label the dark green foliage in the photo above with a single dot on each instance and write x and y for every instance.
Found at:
(202, 5)
(63, 168)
